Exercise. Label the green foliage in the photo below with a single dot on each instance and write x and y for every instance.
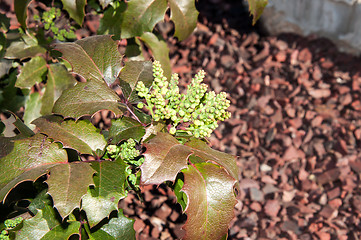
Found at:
(256, 8)
(79, 172)
(199, 109)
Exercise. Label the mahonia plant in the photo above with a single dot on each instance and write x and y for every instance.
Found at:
(198, 110)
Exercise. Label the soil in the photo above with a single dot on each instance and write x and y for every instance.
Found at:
(296, 127)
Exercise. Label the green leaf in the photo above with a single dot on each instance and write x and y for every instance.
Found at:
(159, 50)
(95, 57)
(61, 232)
(131, 74)
(29, 159)
(87, 99)
(211, 201)
(256, 8)
(31, 73)
(141, 16)
(202, 150)
(21, 7)
(32, 109)
(34, 228)
(110, 177)
(125, 128)
(5, 66)
(81, 135)
(26, 47)
(24, 130)
(58, 80)
(184, 15)
(75, 8)
(68, 183)
(112, 19)
(117, 229)
(4, 23)
(164, 158)
(110, 182)
(105, 3)
(98, 208)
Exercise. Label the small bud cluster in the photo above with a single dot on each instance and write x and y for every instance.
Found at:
(198, 109)
(9, 224)
(48, 19)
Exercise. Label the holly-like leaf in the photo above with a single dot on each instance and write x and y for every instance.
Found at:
(131, 74)
(86, 99)
(61, 232)
(256, 8)
(26, 47)
(34, 228)
(58, 80)
(68, 183)
(29, 159)
(110, 183)
(21, 7)
(75, 8)
(159, 50)
(211, 201)
(31, 72)
(95, 57)
(117, 228)
(111, 22)
(164, 158)
(141, 16)
(184, 15)
(81, 135)
(32, 109)
(202, 150)
(125, 128)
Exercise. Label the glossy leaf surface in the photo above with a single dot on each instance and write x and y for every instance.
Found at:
(164, 158)
(159, 50)
(81, 135)
(131, 74)
(141, 16)
(34, 228)
(68, 183)
(124, 128)
(31, 72)
(21, 8)
(87, 99)
(95, 57)
(24, 48)
(75, 8)
(32, 109)
(117, 228)
(184, 15)
(29, 159)
(58, 79)
(211, 201)
(112, 19)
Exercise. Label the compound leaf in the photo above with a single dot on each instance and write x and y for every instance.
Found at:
(117, 229)
(29, 159)
(211, 201)
(75, 8)
(95, 57)
(131, 74)
(164, 158)
(159, 50)
(81, 135)
(141, 16)
(184, 15)
(87, 98)
(125, 128)
(68, 183)
(58, 80)
(31, 72)
(256, 8)
(202, 150)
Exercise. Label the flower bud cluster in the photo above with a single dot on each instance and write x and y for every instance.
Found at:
(197, 109)
(11, 223)
(129, 153)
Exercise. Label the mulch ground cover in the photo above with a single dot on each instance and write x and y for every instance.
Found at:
(296, 127)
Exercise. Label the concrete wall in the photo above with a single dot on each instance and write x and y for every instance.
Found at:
(339, 20)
